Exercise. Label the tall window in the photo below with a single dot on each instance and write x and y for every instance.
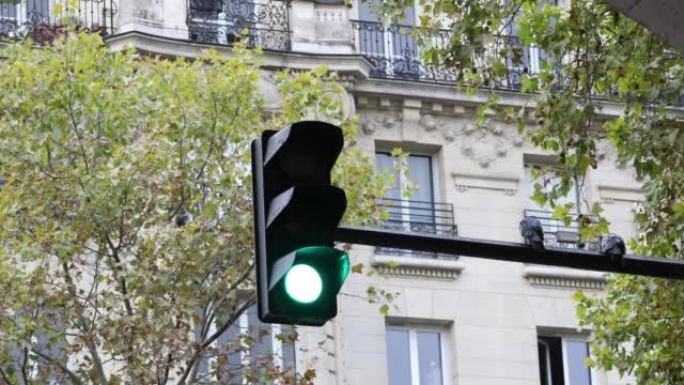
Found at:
(417, 212)
(415, 356)
(561, 361)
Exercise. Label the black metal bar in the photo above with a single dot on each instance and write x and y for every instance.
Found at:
(511, 252)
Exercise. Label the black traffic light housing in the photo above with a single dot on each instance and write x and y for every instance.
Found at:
(296, 211)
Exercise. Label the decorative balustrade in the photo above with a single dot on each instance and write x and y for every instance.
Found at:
(264, 23)
(557, 234)
(417, 216)
(38, 20)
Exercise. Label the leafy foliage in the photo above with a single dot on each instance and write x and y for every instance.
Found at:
(593, 59)
(126, 213)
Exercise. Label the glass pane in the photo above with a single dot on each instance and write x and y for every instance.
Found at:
(229, 343)
(261, 333)
(420, 173)
(576, 352)
(398, 357)
(366, 12)
(384, 161)
(429, 358)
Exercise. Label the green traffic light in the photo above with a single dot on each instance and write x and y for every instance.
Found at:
(303, 283)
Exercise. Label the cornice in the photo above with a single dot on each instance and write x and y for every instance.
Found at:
(565, 278)
(443, 269)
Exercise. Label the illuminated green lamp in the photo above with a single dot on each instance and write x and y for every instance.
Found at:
(317, 275)
(303, 283)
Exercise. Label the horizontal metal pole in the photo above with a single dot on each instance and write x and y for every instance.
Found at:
(511, 252)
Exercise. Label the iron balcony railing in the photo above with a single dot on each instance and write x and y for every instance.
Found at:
(394, 54)
(37, 18)
(417, 216)
(264, 23)
(557, 234)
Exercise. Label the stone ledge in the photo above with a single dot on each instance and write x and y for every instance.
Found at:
(418, 267)
(565, 277)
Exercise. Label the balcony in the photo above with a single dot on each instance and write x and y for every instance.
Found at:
(394, 54)
(417, 216)
(264, 23)
(36, 18)
(557, 234)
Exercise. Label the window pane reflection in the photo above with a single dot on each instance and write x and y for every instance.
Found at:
(398, 357)
(576, 352)
(429, 359)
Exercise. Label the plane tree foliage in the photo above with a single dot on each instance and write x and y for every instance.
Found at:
(602, 77)
(126, 222)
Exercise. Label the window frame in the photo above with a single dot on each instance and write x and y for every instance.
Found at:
(444, 352)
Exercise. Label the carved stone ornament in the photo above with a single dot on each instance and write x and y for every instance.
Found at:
(372, 121)
(483, 144)
(428, 122)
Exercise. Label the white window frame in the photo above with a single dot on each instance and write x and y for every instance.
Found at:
(566, 374)
(444, 353)
(593, 374)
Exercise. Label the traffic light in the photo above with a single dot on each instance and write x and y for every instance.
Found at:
(296, 211)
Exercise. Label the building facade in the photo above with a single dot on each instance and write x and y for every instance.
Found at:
(454, 320)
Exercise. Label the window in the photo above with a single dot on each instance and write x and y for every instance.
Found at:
(415, 356)
(550, 180)
(268, 345)
(561, 361)
(419, 173)
(556, 233)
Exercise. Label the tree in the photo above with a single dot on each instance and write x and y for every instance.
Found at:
(592, 56)
(126, 214)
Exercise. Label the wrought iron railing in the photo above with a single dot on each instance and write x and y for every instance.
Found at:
(558, 234)
(263, 23)
(394, 54)
(417, 216)
(38, 20)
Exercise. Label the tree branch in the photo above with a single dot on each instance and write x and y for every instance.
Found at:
(97, 361)
(72, 376)
(214, 337)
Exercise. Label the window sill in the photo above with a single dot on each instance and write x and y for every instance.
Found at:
(418, 267)
(567, 278)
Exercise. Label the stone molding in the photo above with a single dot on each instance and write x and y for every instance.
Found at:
(504, 184)
(418, 267)
(565, 278)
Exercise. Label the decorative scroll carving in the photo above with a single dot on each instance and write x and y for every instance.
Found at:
(372, 121)
(484, 144)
